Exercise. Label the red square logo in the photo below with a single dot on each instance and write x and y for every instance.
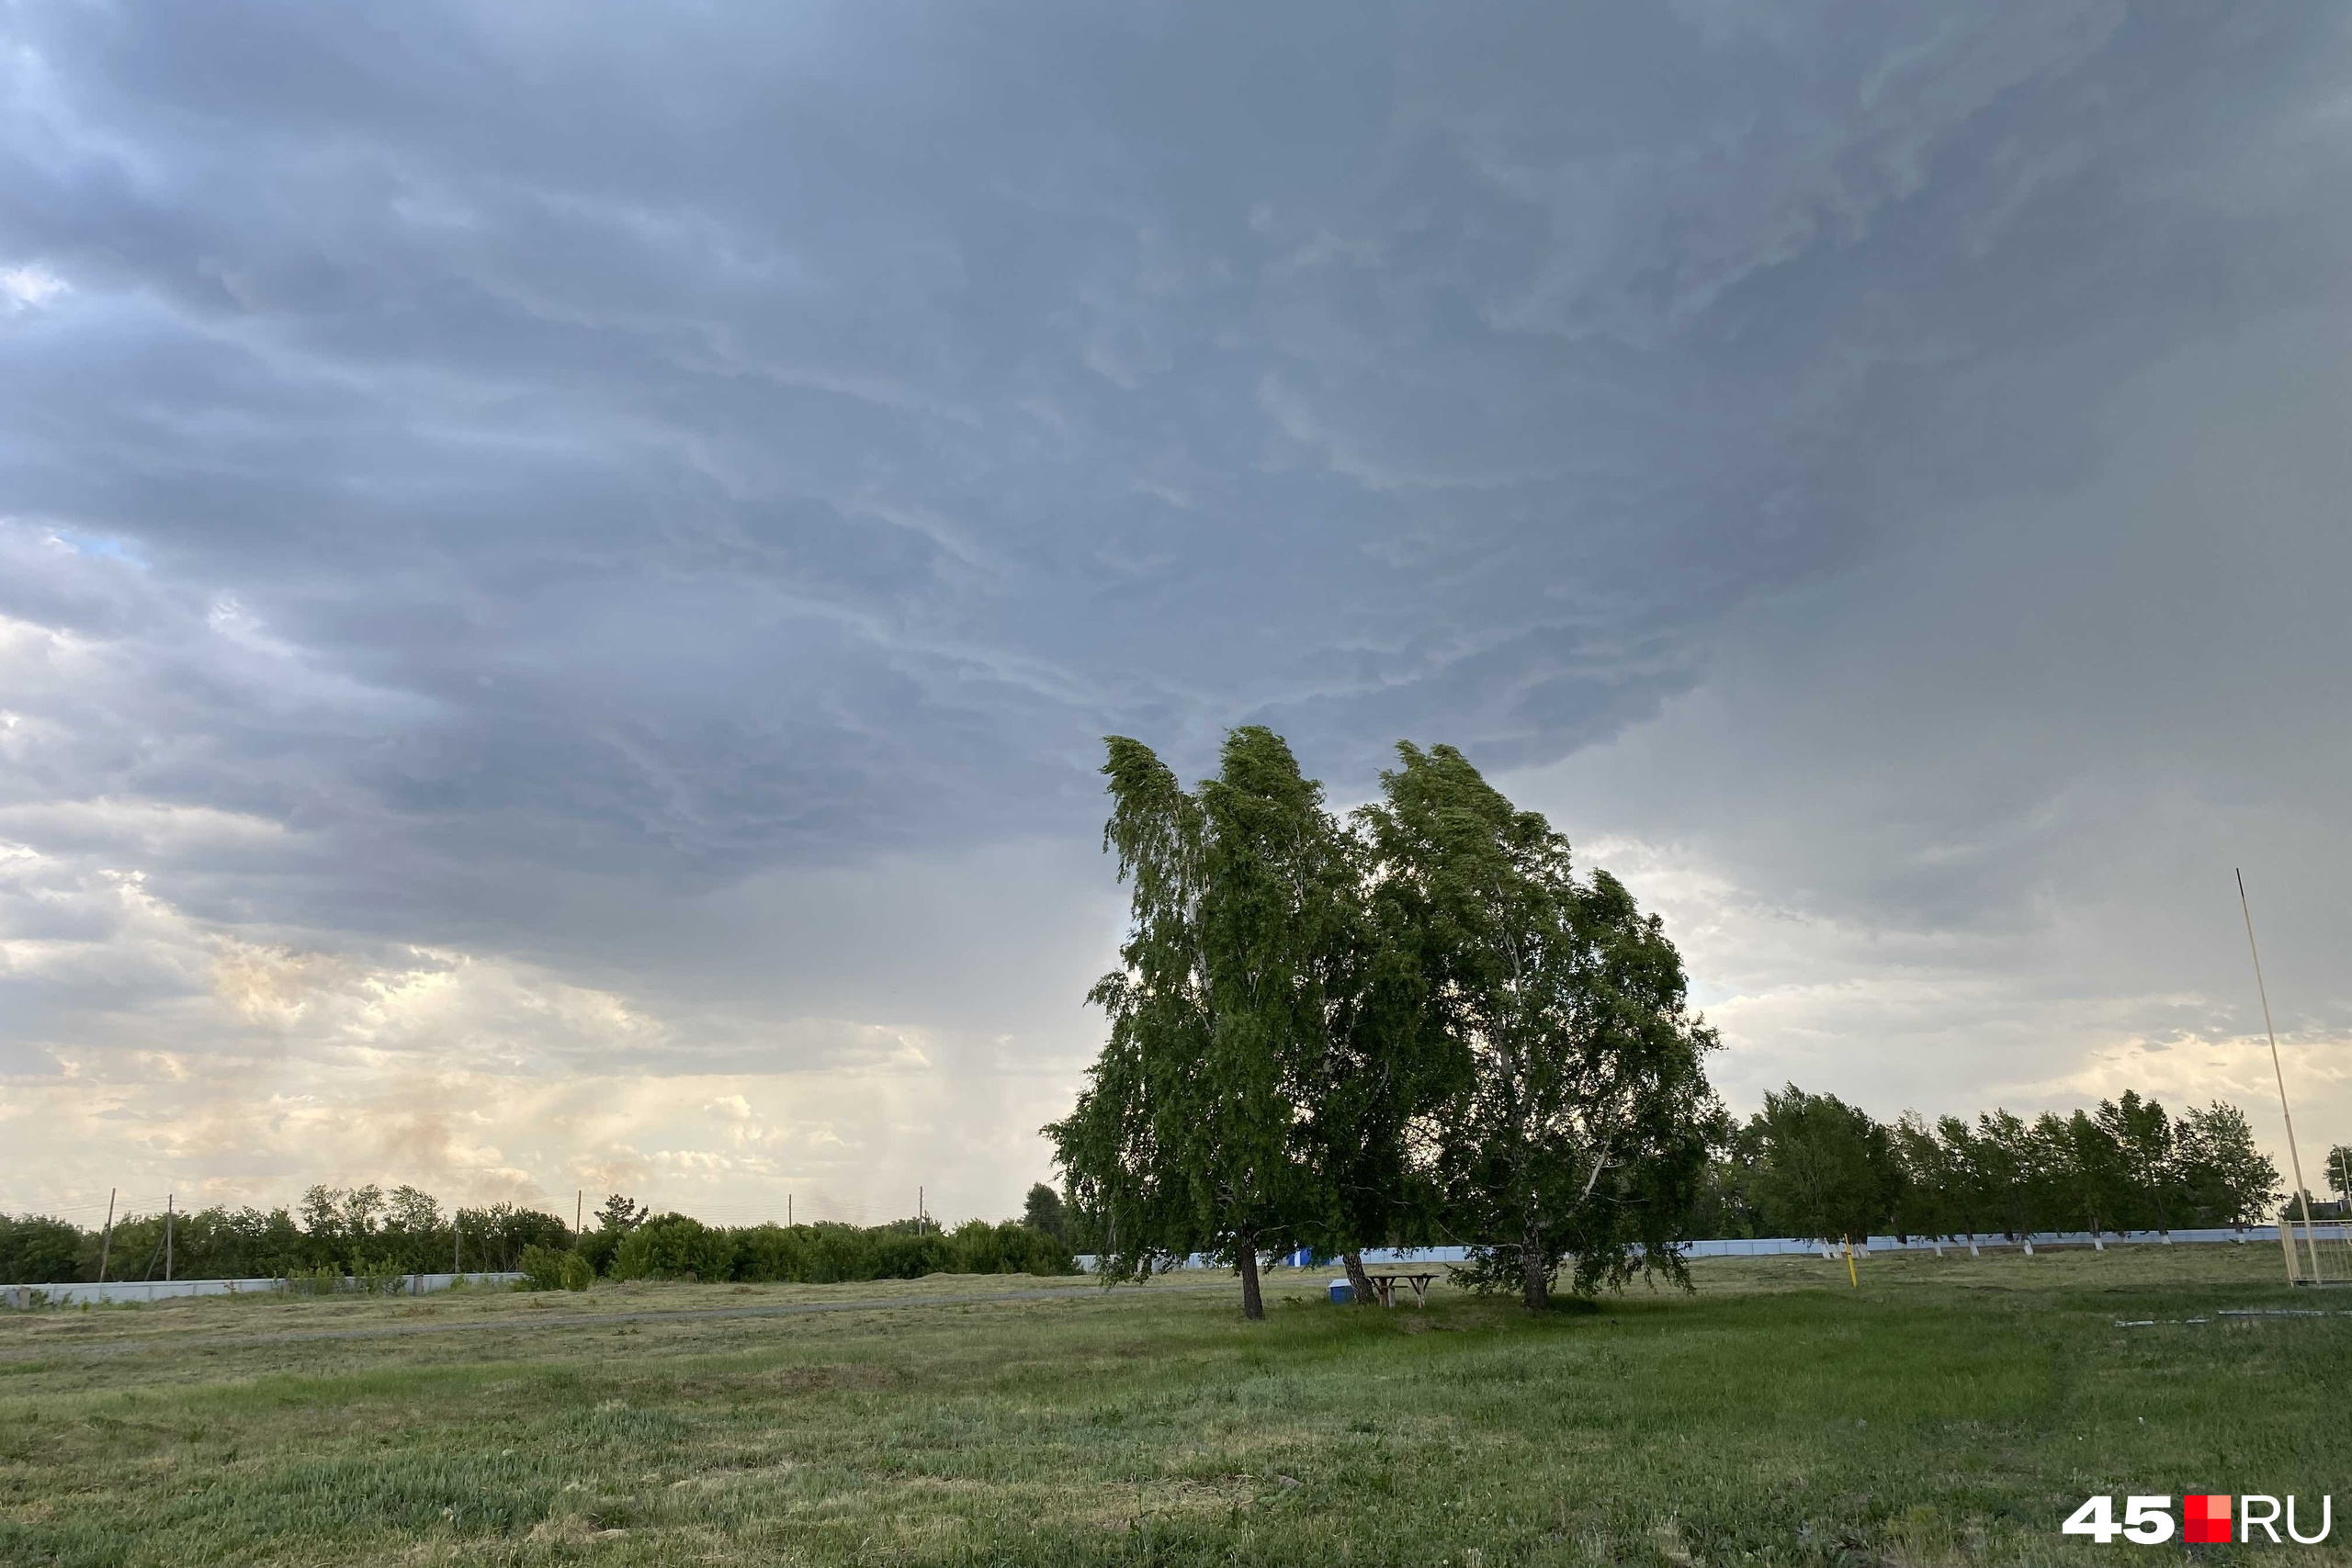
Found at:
(2205, 1518)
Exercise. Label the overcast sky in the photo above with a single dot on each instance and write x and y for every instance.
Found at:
(563, 568)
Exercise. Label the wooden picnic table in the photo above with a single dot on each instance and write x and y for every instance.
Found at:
(1383, 1284)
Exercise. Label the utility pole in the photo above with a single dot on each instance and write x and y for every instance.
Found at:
(456, 1241)
(168, 1200)
(788, 1210)
(106, 1242)
(579, 1210)
(921, 1223)
(2294, 1160)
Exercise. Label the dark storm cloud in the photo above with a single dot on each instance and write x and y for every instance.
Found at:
(528, 463)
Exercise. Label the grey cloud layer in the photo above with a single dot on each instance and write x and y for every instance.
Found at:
(528, 468)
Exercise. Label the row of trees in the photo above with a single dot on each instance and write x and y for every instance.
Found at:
(1811, 1165)
(1415, 1025)
(360, 1230)
(676, 1246)
(367, 1232)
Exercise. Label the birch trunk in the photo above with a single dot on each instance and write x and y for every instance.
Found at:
(1534, 1276)
(1253, 1304)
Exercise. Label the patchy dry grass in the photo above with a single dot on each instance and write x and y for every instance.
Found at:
(1947, 1411)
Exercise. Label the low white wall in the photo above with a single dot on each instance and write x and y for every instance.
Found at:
(117, 1291)
(1765, 1247)
(1769, 1247)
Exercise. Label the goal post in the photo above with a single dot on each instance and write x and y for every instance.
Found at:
(2318, 1251)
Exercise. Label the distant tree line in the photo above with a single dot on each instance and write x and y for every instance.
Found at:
(1416, 1025)
(630, 1244)
(362, 1230)
(1811, 1165)
(366, 1232)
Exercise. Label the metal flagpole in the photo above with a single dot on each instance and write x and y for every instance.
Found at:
(2302, 1194)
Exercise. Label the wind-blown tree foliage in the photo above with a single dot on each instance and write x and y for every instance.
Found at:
(2098, 1172)
(1725, 1205)
(1396, 1060)
(1969, 1200)
(1582, 1122)
(2228, 1178)
(2338, 1167)
(2010, 1171)
(1188, 1136)
(2090, 1188)
(1924, 1204)
(1828, 1171)
(2144, 1140)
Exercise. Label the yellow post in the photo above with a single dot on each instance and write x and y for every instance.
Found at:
(1851, 1276)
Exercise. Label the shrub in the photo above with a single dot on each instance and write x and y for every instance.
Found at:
(842, 1252)
(901, 1256)
(1030, 1250)
(1010, 1247)
(552, 1268)
(771, 1254)
(324, 1281)
(599, 1248)
(384, 1276)
(674, 1246)
(978, 1248)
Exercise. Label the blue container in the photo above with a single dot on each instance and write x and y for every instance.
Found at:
(1343, 1293)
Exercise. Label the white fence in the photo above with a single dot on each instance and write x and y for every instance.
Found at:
(1773, 1247)
(1767, 1246)
(122, 1290)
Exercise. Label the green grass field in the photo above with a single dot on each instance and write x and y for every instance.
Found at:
(1946, 1411)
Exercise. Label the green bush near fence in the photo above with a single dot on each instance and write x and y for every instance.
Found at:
(324, 1281)
(550, 1269)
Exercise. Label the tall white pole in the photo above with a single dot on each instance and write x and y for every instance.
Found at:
(106, 1242)
(2294, 1160)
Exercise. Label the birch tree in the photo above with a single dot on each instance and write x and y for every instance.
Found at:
(1829, 1170)
(1190, 1136)
(1582, 1124)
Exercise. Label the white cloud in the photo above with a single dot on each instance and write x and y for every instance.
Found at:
(31, 285)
